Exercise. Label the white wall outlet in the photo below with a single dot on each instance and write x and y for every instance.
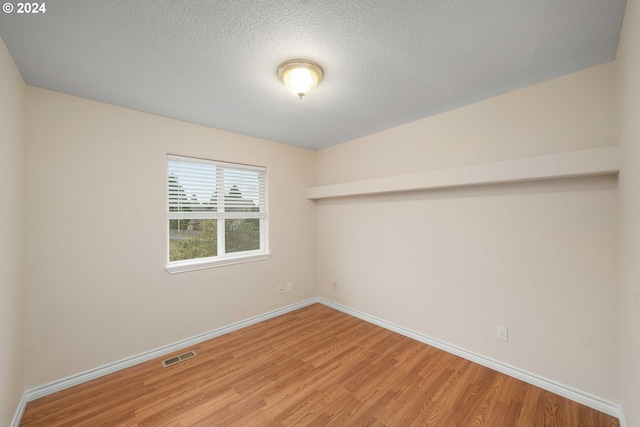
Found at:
(503, 333)
(335, 286)
(289, 287)
(280, 289)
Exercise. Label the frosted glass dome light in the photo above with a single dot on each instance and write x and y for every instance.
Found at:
(300, 76)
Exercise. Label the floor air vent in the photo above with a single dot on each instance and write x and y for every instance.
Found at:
(179, 358)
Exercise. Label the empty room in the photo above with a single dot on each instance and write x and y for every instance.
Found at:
(330, 213)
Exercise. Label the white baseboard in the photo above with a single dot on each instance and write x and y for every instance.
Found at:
(623, 422)
(73, 380)
(17, 417)
(587, 399)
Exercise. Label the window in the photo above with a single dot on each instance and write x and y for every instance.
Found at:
(216, 213)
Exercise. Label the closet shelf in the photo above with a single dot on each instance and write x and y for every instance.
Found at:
(595, 161)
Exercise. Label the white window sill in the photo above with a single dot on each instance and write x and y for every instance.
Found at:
(190, 265)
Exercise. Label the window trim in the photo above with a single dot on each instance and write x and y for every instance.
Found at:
(219, 261)
(173, 267)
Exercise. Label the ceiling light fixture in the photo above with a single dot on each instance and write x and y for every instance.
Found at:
(300, 76)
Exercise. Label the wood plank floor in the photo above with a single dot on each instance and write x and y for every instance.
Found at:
(312, 367)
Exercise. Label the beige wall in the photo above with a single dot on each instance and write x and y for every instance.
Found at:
(95, 223)
(12, 302)
(628, 60)
(568, 113)
(539, 258)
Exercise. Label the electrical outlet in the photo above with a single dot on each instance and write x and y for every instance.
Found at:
(335, 286)
(289, 287)
(280, 289)
(503, 333)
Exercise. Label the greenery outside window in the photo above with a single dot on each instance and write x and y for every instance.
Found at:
(216, 213)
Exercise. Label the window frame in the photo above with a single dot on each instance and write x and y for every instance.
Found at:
(225, 258)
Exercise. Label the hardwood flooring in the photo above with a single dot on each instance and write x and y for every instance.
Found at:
(311, 367)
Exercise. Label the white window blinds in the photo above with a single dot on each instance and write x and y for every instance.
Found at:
(216, 190)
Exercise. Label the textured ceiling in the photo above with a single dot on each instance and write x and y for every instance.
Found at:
(386, 62)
